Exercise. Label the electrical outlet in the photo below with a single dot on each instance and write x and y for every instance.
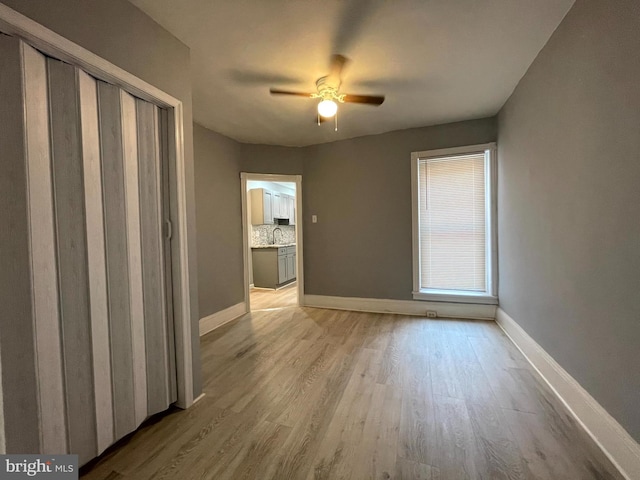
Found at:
(432, 314)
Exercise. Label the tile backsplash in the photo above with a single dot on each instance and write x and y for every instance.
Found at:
(263, 234)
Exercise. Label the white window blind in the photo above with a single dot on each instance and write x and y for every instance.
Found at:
(453, 222)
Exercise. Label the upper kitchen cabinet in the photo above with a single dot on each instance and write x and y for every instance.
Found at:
(278, 203)
(261, 206)
(267, 205)
(291, 209)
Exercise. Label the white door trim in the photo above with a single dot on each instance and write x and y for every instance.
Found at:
(54, 45)
(246, 231)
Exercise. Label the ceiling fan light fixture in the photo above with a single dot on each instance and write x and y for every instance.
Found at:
(327, 108)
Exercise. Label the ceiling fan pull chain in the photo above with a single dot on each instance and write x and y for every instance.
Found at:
(336, 129)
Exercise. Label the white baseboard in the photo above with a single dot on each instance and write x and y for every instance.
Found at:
(217, 319)
(402, 307)
(611, 437)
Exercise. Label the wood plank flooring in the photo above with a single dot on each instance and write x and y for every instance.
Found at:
(304, 393)
(262, 298)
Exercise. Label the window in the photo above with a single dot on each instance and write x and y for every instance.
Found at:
(453, 225)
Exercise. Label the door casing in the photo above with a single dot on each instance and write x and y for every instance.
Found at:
(246, 229)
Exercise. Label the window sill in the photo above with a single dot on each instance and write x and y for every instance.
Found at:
(455, 297)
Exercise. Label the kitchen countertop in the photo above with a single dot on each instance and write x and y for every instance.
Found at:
(275, 246)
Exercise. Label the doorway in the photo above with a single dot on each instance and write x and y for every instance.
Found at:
(272, 240)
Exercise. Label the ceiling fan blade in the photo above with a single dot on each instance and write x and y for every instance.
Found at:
(353, 20)
(256, 77)
(335, 69)
(368, 99)
(275, 91)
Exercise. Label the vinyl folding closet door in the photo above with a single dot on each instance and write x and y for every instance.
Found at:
(86, 343)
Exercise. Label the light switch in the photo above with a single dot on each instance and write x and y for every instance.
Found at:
(314, 218)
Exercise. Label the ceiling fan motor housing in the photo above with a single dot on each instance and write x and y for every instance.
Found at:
(326, 91)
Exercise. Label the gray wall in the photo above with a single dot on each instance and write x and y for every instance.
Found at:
(569, 202)
(3, 448)
(361, 191)
(218, 216)
(273, 159)
(218, 163)
(359, 188)
(124, 35)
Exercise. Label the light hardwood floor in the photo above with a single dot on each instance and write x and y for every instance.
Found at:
(262, 298)
(306, 393)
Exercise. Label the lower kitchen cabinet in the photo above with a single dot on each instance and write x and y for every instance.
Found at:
(282, 269)
(273, 266)
(291, 265)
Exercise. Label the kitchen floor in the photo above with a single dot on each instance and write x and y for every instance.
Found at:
(262, 298)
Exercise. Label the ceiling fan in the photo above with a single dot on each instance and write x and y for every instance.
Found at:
(329, 92)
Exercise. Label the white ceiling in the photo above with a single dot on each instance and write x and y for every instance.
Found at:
(437, 61)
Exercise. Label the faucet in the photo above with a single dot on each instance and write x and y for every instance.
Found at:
(274, 234)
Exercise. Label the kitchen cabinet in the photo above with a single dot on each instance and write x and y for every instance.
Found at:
(291, 265)
(284, 207)
(261, 206)
(282, 269)
(274, 266)
(267, 205)
(291, 209)
(277, 205)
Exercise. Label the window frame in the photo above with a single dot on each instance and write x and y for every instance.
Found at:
(490, 296)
